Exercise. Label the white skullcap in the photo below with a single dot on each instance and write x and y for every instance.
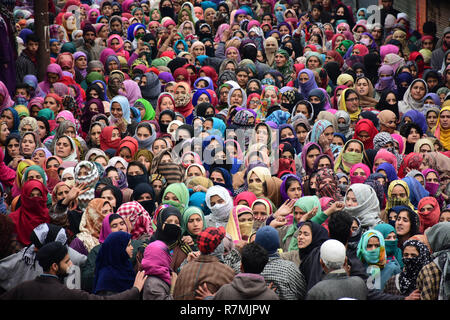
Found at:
(333, 253)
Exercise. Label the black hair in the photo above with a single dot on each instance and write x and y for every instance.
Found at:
(339, 226)
(254, 258)
(32, 37)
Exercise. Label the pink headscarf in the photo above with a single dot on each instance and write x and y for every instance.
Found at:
(133, 92)
(220, 31)
(386, 155)
(359, 179)
(401, 144)
(91, 18)
(67, 115)
(7, 101)
(388, 48)
(362, 49)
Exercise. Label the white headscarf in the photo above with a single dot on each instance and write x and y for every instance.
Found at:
(219, 212)
(408, 103)
(368, 208)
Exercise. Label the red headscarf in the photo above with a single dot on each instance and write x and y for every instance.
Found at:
(248, 196)
(367, 126)
(211, 73)
(129, 142)
(428, 218)
(105, 139)
(336, 57)
(32, 211)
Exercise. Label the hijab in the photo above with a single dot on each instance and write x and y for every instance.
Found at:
(91, 223)
(113, 269)
(408, 276)
(139, 219)
(32, 211)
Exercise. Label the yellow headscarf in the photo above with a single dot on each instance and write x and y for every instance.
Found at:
(239, 231)
(343, 106)
(391, 203)
(439, 133)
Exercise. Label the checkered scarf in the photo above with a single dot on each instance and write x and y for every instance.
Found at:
(139, 218)
(209, 239)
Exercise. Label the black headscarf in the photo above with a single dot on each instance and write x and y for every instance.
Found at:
(171, 233)
(133, 181)
(117, 194)
(140, 189)
(384, 105)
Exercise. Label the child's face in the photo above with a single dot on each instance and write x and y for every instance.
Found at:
(32, 46)
(22, 92)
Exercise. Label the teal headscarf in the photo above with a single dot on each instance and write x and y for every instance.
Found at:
(393, 252)
(44, 177)
(185, 218)
(125, 105)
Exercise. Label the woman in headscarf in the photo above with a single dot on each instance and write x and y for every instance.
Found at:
(371, 251)
(310, 237)
(361, 201)
(365, 131)
(306, 81)
(116, 43)
(310, 152)
(352, 153)
(398, 194)
(416, 190)
(220, 203)
(349, 102)
(429, 212)
(407, 223)
(414, 96)
(415, 256)
(183, 100)
(113, 271)
(90, 226)
(284, 64)
(442, 129)
(393, 252)
(32, 212)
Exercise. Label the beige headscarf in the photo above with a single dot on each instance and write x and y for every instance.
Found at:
(91, 223)
(270, 53)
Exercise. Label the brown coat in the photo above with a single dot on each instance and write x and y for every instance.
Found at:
(205, 269)
(50, 288)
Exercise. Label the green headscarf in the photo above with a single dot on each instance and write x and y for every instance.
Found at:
(35, 168)
(68, 47)
(287, 69)
(92, 76)
(149, 110)
(185, 218)
(161, 62)
(347, 44)
(306, 203)
(181, 192)
(47, 114)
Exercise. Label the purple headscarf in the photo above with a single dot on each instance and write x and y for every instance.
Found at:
(283, 190)
(306, 87)
(387, 83)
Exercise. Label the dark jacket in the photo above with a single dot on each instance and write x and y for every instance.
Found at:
(337, 285)
(47, 287)
(25, 66)
(246, 286)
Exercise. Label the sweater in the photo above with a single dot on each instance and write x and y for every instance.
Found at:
(246, 286)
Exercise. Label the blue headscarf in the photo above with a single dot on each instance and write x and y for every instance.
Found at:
(186, 47)
(123, 101)
(131, 29)
(435, 97)
(418, 118)
(403, 77)
(227, 177)
(198, 199)
(311, 84)
(416, 190)
(105, 97)
(197, 95)
(393, 252)
(201, 59)
(207, 79)
(318, 128)
(279, 117)
(390, 171)
(292, 141)
(136, 114)
(113, 269)
(279, 14)
(218, 124)
(16, 118)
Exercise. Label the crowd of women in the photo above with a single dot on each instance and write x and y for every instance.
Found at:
(163, 118)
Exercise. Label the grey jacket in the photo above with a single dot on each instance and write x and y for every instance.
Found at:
(156, 289)
(246, 286)
(338, 285)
